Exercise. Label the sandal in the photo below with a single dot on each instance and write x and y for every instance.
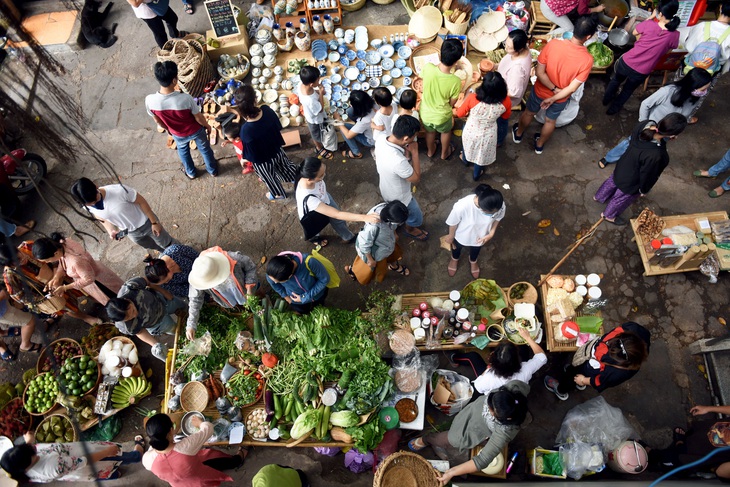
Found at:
(451, 152)
(717, 192)
(188, 9)
(412, 445)
(452, 267)
(474, 269)
(692, 120)
(400, 269)
(171, 142)
(602, 163)
(678, 436)
(325, 154)
(348, 153)
(49, 322)
(319, 241)
(271, 197)
(34, 347)
(423, 236)
(13, 331)
(26, 227)
(7, 356)
(348, 270)
(139, 440)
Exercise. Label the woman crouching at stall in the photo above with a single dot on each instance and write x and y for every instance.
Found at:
(187, 463)
(496, 416)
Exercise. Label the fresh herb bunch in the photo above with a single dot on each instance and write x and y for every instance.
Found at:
(381, 314)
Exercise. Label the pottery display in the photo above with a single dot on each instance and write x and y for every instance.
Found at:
(329, 26)
(263, 36)
(317, 24)
(302, 41)
(269, 61)
(304, 25)
(290, 30)
(270, 48)
(277, 33)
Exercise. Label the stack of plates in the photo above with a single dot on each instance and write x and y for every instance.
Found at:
(319, 49)
(361, 38)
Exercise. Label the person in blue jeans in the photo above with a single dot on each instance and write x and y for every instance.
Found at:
(188, 7)
(719, 168)
(178, 113)
(362, 110)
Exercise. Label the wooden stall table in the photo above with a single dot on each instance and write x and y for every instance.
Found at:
(690, 221)
(554, 345)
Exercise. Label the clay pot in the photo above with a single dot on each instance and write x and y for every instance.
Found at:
(317, 25)
(485, 66)
(302, 41)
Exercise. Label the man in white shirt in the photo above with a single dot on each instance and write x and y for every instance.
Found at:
(396, 174)
(122, 211)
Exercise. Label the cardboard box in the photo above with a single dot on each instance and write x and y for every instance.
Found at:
(228, 45)
(441, 394)
(533, 455)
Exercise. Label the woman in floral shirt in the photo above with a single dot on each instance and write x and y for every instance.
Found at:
(560, 11)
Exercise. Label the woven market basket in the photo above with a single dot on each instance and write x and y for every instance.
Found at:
(64, 417)
(405, 469)
(48, 350)
(383, 2)
(194, 67)
(354, 6)
(530, 295)
(194, 397)
(456, 29)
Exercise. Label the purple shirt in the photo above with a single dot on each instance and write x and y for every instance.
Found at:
(652, 45)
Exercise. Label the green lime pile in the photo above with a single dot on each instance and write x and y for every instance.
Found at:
(41, 393)
(55, 430)
(79, 375)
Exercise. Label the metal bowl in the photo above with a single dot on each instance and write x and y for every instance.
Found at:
(619, 37)
(185, 426)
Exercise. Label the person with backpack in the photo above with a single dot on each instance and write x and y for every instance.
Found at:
(708, 44)
(300, 279)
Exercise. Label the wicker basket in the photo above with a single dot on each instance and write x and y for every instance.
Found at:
(63, 416)
(48, 350)
(456, 29)
(354, 6)
(383, 2)
(194, 67)
(530, 295)
(422, 50)
(96, 383)
(262, 382)
(405, 469)
(194, 397)
(42, 413)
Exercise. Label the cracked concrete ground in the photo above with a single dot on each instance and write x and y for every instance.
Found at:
(230, 211)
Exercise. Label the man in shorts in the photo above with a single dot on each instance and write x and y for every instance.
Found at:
(13, 321)
(562, 66)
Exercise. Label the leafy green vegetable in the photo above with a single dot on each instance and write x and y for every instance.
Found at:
(602, 55)
(305, 423)
(242, 389)
(368, 436)
(381, 314)
(344, 419)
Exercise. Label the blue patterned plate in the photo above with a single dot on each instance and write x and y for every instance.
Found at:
(405, 52)
(400, 63)
(361, 54)
(345, 82)
(360, 64)
(361, 77)
(407, 71)
(387, 64)
(373, 58)
(344, 61)
(395, 73)
(386, 50)
(351, 55)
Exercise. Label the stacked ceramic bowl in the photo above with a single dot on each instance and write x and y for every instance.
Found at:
(361, 38)
(319, 49)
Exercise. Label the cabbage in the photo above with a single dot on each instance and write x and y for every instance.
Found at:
(305, 423)
(344, 419)
(602, 55)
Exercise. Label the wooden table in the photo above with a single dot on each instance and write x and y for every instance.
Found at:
(646, 251)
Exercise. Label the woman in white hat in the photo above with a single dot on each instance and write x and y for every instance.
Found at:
(227, 276)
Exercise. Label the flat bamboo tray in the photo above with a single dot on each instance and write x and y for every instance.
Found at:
(671, 221)
(554, 345)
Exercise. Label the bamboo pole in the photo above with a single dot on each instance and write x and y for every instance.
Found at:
(577, 244)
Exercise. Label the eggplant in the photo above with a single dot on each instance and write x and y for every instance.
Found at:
(269, 404)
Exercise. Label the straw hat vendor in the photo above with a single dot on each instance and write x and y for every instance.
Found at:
(227, 276)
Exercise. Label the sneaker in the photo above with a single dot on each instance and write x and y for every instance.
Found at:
(515, 138)
(538, 148)
(551, 384)
(190, 176)
(580, 387)
(247, 168)
(159, 350)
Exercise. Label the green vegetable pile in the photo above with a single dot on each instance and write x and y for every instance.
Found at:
(243, 389)
(368, 436)
(602, 55)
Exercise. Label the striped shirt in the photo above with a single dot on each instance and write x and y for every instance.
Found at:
(176, 110)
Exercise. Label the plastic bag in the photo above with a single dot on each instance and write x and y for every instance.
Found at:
(460, 387)
(106, 430)
(711, 268)
(596, 421)
(330, 451)
(552, 464)
(329, 136)
(199, 346)
(221, 429)
(359, 462)
(580, 458)
(569, 113)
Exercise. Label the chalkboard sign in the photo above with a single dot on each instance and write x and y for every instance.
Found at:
(222, 18)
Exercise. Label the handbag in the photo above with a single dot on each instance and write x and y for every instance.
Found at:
(329, 136)
(719, 434)
(584, 353)
(312, 222)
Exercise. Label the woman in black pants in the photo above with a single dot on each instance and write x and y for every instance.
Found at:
(154, 14)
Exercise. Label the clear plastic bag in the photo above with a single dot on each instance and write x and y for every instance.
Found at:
(596, 421)
(460, 387)
(408, 371)
(579, 458)
(199, 346)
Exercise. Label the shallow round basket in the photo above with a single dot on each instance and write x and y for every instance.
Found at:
(27, 422)
(41, 413)
(96, 382)
(67, 419)
(262, 382)
(354, 6)
(194, 397)
(237, 77)
(383, 2)
(405, 469)
(530, 295)
(422, 51)
(47, 350)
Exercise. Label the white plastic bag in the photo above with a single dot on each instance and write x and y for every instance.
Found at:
(460, 386)
(329, 136)
(579, 458)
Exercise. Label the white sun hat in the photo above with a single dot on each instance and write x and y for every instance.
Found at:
(426, 23)
(209, 270)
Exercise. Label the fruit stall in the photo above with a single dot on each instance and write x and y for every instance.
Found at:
(74, 386)
(269, 377)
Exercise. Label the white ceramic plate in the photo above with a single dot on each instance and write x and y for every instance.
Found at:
(351, 73)
(270, 96)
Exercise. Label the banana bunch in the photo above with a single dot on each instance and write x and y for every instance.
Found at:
(129, 391)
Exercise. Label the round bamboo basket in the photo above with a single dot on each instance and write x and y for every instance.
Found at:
(96, 382)
(383, 2)
(530, 295)
(194, 397)
(422, 50)
(41, 413)
(44, 353)
(354, 6)
(262, 382)
(67, 419)
(405, 469)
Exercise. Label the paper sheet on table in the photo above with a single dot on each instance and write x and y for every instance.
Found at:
(236, 435)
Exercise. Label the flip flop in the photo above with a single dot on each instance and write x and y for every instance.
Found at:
(348, 270)
(325, 154)
(412, 445)
(400, 269)
(423, 236)
(348, 153)
(602, 163)
(8, 356)
(678, 436)
(320, 241)
(692, 120)
(271, 197)
(34, 347)
(13, 331)
(451, 153)
(188, 9)
(452, 267)
(139, 440)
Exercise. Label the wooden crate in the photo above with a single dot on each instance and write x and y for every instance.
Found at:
(503, 473)
(554, 345)
(671, 221)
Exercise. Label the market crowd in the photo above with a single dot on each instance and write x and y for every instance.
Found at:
(180, 279)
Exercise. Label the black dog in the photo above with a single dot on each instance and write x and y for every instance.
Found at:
(91, 24)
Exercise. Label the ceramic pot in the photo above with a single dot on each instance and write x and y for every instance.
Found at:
(294, 110)
(278, 34)
(317, 25)
(329, 26)
(310, 4)
(291, 6)
(290, 31)
(302, 41)
(263, 36)
(286, 46)
(303, 25)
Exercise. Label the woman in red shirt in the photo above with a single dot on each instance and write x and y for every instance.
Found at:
(559, 11)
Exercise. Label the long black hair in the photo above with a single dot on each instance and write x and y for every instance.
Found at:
(668, 9)
(489, 198)
(158, 427)
(17, 460)
(394, 212)
(362, 104)
(505, 360)
(308, 169)
(45, 247)
(695, 79)
(245, 97)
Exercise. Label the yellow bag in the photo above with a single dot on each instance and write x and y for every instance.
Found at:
(334, 277)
